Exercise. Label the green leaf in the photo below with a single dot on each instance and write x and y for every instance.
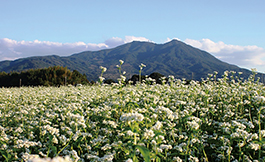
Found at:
(54, 149)
(145, 152)
(157, 159)
(135, 158)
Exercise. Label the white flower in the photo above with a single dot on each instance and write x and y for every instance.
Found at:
(254, 146)
(178, 148)
(104, 69)
(239, 125)
(63, 139)
(193, 124)
(148, 134)
(55, 140)
(121, 62)
(254, 136)
(262, 132)
(157, 126)
(235, 135)
(101, 79)
(154, 116)
(171, 77)
(160, 137)
(259, 99)
(123, 78)
(56, 159)
(107, 158)
(129, 160)
(130, 133)
(165, 147)
(177, 159)
(143, 65)
(153, 142)
(194, 140)
(193, 159)
(132, 117)
(106, 147)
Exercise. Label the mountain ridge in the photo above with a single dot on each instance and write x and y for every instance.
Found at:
(171, 58)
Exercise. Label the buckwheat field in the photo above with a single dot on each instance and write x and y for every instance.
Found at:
(217, 119)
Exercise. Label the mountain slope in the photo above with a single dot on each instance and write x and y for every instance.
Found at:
(172, 58)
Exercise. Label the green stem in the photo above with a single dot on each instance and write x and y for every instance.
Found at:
(204, 153)
(239, 154)
(5, 157)
(48, 152)
(139, 76)
(249, 111)
(186, 156)
(135, 139)
(62, 149)
(64, 146)
(260, 138)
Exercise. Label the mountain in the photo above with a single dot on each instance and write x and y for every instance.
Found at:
(172, 58)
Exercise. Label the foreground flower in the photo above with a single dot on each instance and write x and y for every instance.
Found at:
(56, 159)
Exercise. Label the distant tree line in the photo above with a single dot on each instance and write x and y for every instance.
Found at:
(58, 75)
(52, 76)
(155, 76)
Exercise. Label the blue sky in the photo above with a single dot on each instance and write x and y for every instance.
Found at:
(231, 30)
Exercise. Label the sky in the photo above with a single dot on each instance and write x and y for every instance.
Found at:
(231, 30)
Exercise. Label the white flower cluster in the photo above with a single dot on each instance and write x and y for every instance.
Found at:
(157, 126)
(113, 124)
(148, 134)
(105, 158)
(104, 69)
(56, 159)
(165, 147)
(26, 144)
(142, 66)
(130, 133)
(214, 120)
(121, 62)
(52, 130)
(193, 124)
(130, 117)
(254, 146)
(259, 99)
(193, 159)
(170, 114)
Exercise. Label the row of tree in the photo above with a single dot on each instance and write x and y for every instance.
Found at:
(57, 76)
(52, 76)
(156, 77)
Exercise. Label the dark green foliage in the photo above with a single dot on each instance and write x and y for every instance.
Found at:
(135, 78)
(157, 77)
(173, 58)
(109, 81)
(51, 76)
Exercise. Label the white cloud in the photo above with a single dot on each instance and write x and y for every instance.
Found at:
(12, 49)
(243, 56)
(116, 41)
(133, 38)
(169, 39)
